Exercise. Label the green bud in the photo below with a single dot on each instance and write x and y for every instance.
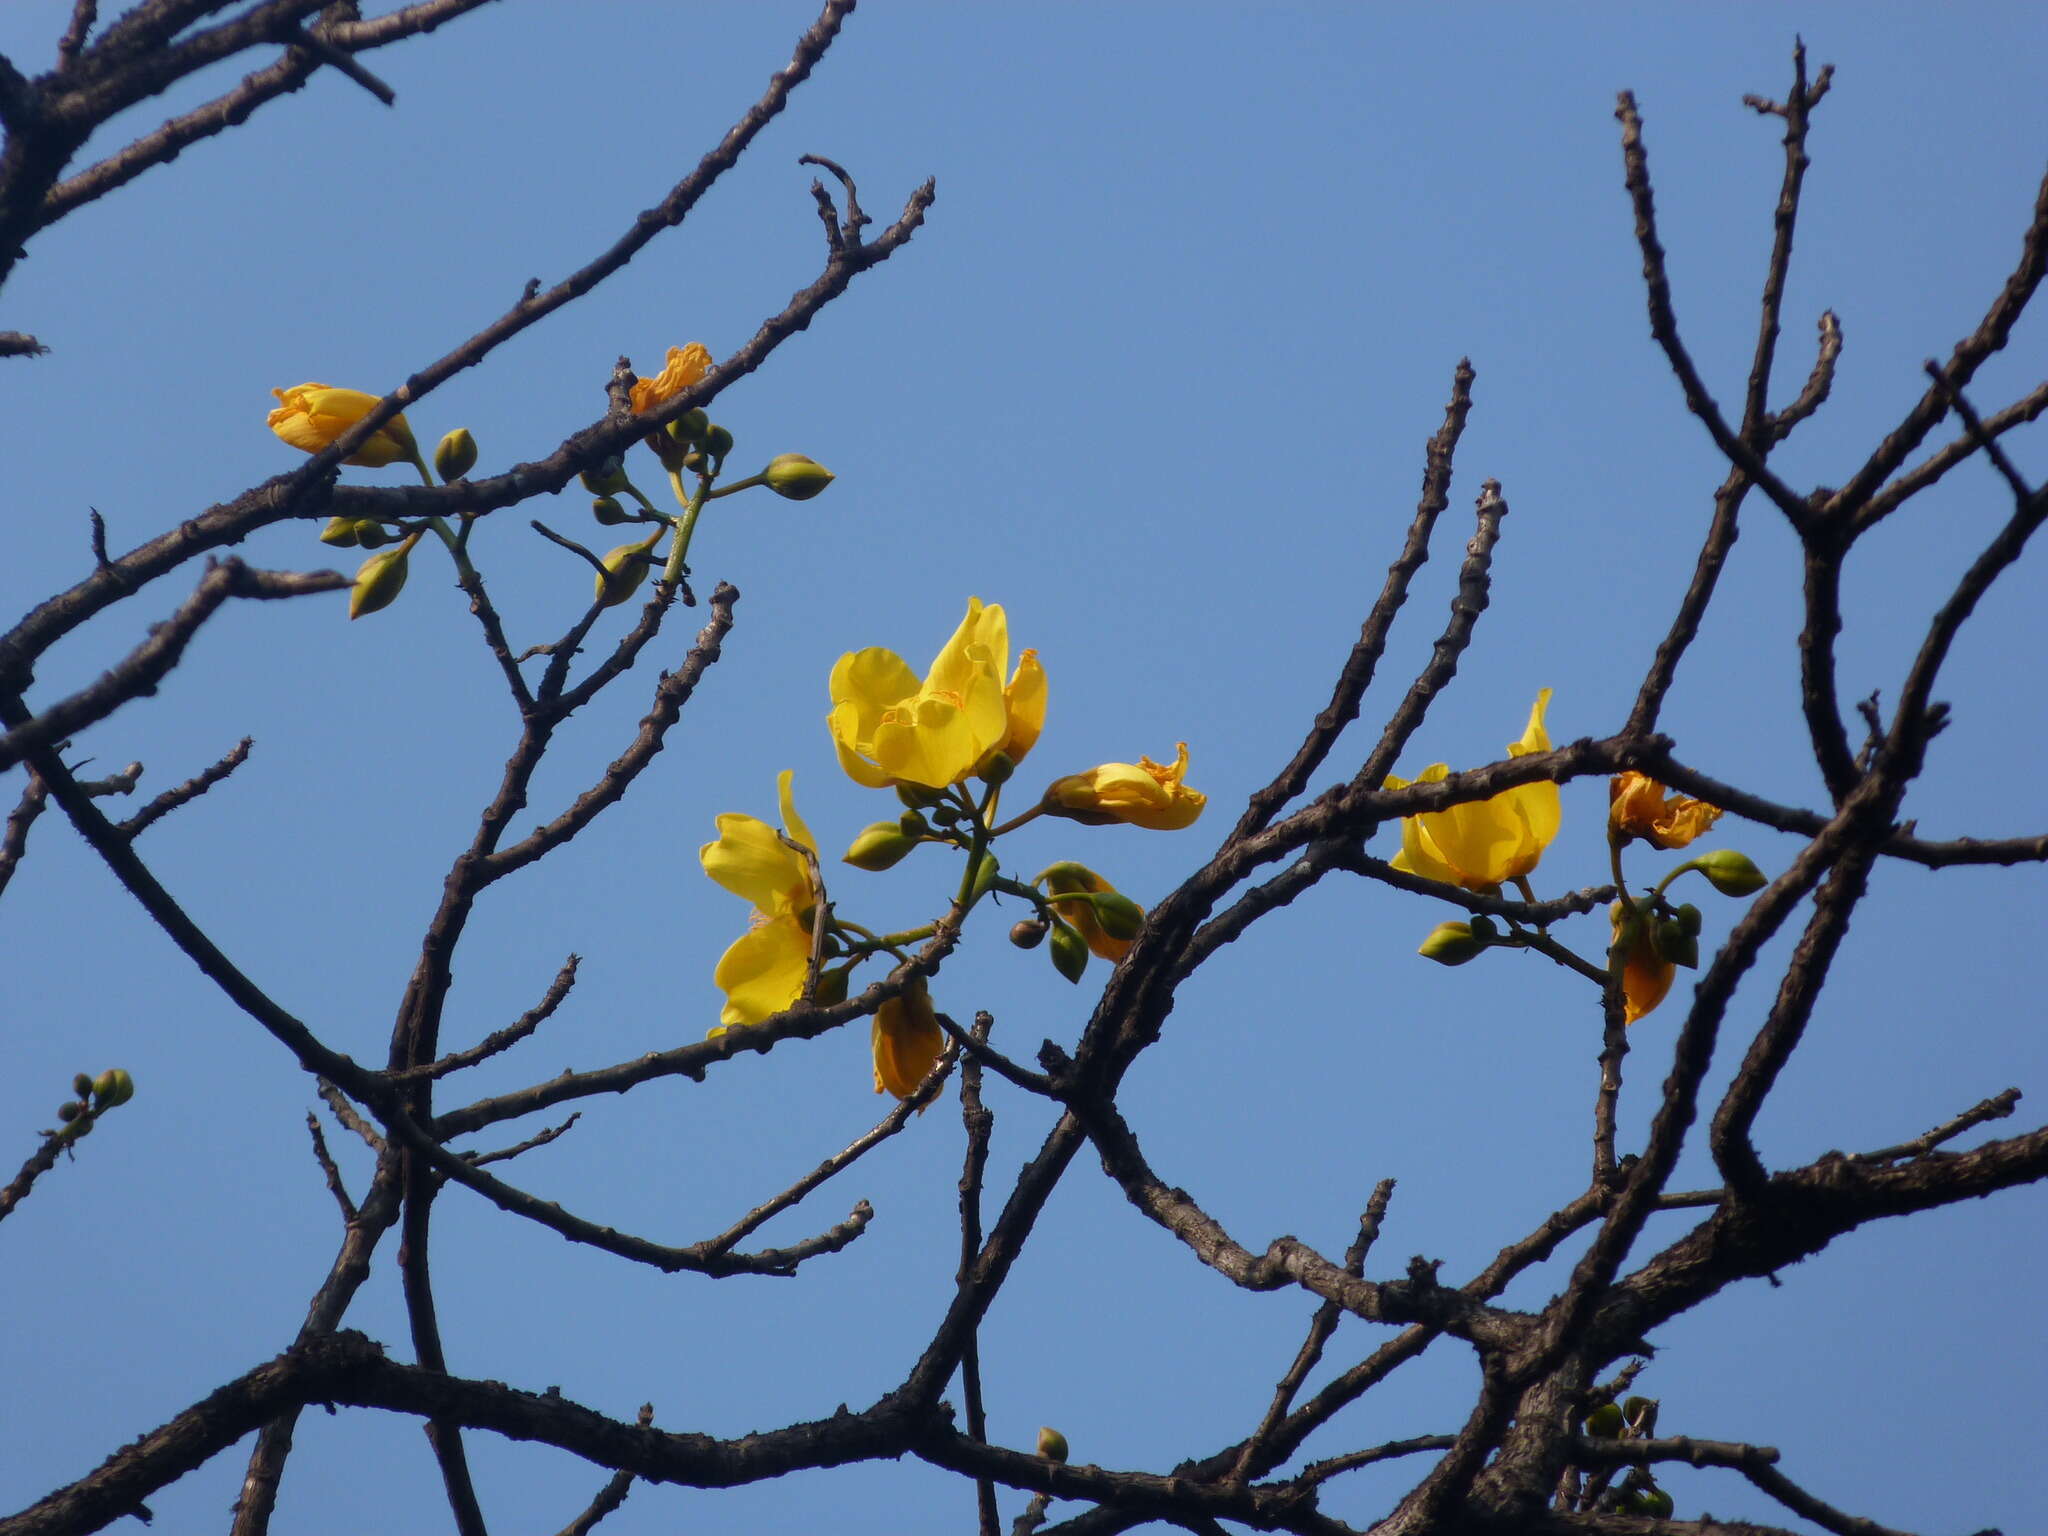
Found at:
(1689, 920)
(70, 1112)
(455, 456)
(1118, 915)
(608, 479)
(379, 580)
(913, 824)
(371, 534)
(1655, 1503)
(123, 1087)
(1731, 873)
(1676, 945)
(103, 1085)
(696, 461)
(1069, 951)
(1483, 927)
(1029, 933)
(881, 845)
(1641, 1414)
(997, 769)
(1451, 944)
(917, 797)
(984, 875)
(717, 441)
(339, 532)
(691, 426)
(1052, 1445)
(831, 987)
(82, 1084)
(945, 815)
(606, 510)
(796, 477)
(624, 569)
(1604, 1422)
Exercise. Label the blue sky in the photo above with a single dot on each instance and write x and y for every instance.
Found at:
(1156, 375)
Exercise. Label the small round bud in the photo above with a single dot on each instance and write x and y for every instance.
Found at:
(379, 580)
(82, 1084)
(913, 824)
(796, 477)
(945, 815)
(1675, 945)
(1483, 927)
(717, 441)
(455, 455)
(1641, 1414)
(1052, 1445)
(606, 510)
(691, 426)
(917, 797)
(103, 1085)
(340, 532)
(1029, 933)
(881, 845)
(1069, 952)
(831, 987)
(1655, 1503)
(1604, 1422)
(997, 769)
(1731, 873)
(122, 1090)
(608, 479)
(1689, 920)
(1450, 944)
(70, 1112)
(371, 534)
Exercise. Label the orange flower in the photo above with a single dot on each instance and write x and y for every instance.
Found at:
(1638, 806)
(313, 416)
(1646, 975)
(907, 1041)
(685, 367)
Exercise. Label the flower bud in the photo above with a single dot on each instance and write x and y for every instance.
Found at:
(455, 455)
(881, 845)
(606, 510)
(831, 987)
(1655, 1503)
(917, 797)
(1641, 1414)
(380, 579)
(1689, 920)
(1675, 945)
(70, 1112)
(123, 1088)
(1052, 1445)
(1029, 933)
(985, 873)
(717, 441)
(340, 532)
(103, 1085)
(1604, 1422)
(998, 768)
(1451, 944)
(608, 479)
(795, 477)
(1731, 873)
(913, 824)
(691, 426)
(1483, 926)
(371, 534)
(1119, 916)
(624, 569)
(82, 1084)
(1069, 952)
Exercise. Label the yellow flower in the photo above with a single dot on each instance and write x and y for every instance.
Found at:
(891, 727)
(1481, 844)
(312, 416)
(685, 366)
(1067, 880)
(1638, 806)
(1645, 974)
(762, 972)
(1144, 794)
(907, 1040)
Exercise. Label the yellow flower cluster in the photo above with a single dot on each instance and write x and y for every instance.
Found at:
(763, 971)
